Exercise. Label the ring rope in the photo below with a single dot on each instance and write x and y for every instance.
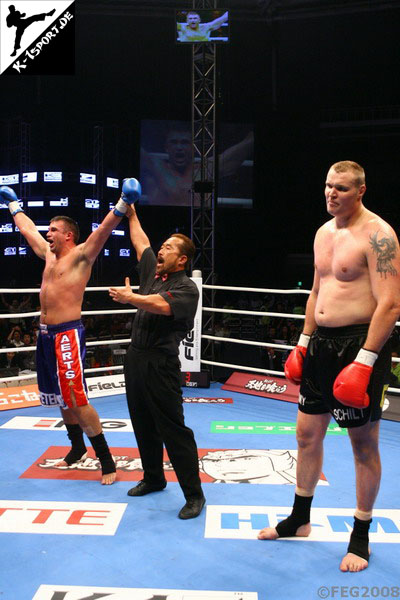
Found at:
(248, 342)
(262, 290)
(93, 343)
(37, 290)
(236, 311)
(203, 336)
(110, 368)
(205, 309)
(33, 374)
(84, 313)
(233, 311)
(241, 367)
(255, 369)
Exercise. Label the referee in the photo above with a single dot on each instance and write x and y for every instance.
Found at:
(167, 303)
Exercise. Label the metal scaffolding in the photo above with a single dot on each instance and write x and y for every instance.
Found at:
(98, 169)
(15, 154)
(204, 165)
(25, 157)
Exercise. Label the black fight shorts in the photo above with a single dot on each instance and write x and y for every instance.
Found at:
(329, 351)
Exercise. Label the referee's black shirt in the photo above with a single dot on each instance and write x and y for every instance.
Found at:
(161, 332)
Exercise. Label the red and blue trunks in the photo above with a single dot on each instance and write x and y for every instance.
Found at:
(60, 357)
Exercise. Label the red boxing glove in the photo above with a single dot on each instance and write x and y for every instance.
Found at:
(350, 386)
(294, 362)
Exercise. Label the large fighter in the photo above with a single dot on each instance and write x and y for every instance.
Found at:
(61, 342)
(351, 312)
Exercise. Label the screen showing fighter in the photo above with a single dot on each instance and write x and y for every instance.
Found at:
(197, 26)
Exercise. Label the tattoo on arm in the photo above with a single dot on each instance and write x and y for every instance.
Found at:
(385, 249)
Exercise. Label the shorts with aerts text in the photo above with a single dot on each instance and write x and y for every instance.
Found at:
(60, 357)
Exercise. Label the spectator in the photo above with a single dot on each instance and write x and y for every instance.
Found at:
(15, 337)
(10, 360)
(4, 331)
(13, 307)
(28, 358)
(274, 360)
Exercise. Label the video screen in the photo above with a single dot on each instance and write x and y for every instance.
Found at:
(9, 179)
(52, 176)
(205, 25)
(29, 177)
(166, 163)
(87, 178)
(54, 193)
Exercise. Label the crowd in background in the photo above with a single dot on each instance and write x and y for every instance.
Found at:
(259, 328)
(19, 331)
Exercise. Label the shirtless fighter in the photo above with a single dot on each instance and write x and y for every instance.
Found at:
(61, 342)
(351, 312)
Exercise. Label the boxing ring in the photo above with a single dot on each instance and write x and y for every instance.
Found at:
(95, 541)
(205, 309)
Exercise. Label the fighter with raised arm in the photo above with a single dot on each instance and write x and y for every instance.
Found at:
(195, 31)
(61, 342)
(342, 359)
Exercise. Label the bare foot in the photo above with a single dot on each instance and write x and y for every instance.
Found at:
(353, 563)
(108, 479)
(270, 533)
(63, 463)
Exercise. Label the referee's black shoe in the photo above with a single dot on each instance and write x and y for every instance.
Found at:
(192, 508)
(143, 488)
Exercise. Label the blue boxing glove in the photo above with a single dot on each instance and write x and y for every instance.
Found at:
(8, 196)
(131, 190)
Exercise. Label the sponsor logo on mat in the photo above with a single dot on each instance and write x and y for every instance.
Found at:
(328, 524)
(189, 400)
(261, 427)
(54, 424)
(274, 467)
(81, 518)
(77, 592)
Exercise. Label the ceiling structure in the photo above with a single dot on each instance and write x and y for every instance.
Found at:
(244, 10)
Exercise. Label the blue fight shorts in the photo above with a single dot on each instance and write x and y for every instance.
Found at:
(60, 356)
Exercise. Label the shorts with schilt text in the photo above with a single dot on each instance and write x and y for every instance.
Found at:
(329, 351)
(60, 357)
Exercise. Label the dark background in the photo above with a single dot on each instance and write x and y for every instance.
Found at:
(319, 80)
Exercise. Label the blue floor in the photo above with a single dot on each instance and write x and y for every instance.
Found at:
(151, 548)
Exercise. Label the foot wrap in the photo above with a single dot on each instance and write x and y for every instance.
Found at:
(300, 516)
(78, 449)
(359, 539)
(102, 451)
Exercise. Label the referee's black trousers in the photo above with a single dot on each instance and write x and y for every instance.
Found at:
(153, 391)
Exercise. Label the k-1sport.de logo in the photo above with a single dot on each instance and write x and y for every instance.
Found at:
(37, 37)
